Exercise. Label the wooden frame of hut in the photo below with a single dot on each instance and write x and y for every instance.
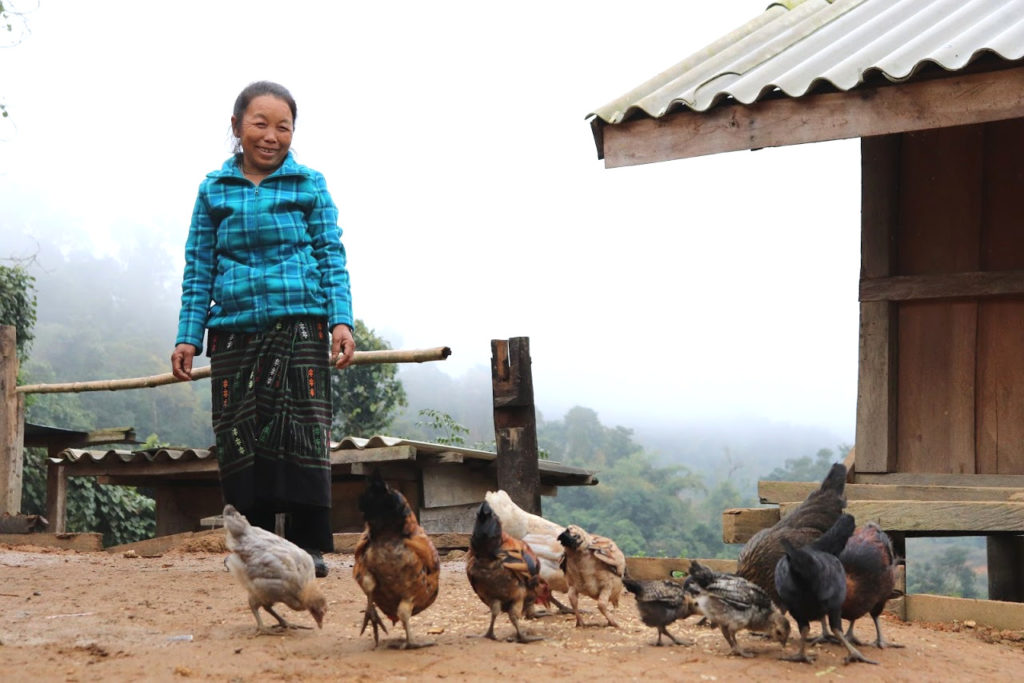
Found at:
(940, 404)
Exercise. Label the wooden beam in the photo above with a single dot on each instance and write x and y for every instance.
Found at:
(515, 422)
(993, 613)
(645, 568)
(209, 540)
(944, 286)
(142, 469)
(12, 424)
(85, 542)
(796, 491)
(955, 100)
(967, 517)
(351, 456)
(346, 542)
(739, 524)
(1015, 481)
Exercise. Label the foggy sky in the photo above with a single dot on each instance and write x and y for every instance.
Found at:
(454, 141)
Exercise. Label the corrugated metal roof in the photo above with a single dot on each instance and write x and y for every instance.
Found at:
(793, 46)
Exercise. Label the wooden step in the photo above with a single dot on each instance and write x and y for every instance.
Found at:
(789, 491)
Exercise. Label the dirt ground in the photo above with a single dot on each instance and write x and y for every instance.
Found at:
(69, 616)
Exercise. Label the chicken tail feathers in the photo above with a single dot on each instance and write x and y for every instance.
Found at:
(834, 540)
(835, 480)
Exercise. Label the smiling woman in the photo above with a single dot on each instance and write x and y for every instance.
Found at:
(265, 273)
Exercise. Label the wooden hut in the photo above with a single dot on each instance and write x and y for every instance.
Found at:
(935, 91)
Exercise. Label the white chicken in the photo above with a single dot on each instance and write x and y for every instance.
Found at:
(540, 534)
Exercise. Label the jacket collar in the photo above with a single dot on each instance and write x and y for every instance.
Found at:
(232, 168)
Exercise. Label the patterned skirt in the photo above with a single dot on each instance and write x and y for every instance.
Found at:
(272, 414)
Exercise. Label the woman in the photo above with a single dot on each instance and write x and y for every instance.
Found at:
(265, 274)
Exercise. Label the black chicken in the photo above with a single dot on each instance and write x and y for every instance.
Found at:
(660, 603)
(807, 522)
(870, 565)
(811, 584)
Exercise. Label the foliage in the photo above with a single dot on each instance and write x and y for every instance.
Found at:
(807, 469)
(948, 573)
(366, 397)
(18, 303)
(446, 430)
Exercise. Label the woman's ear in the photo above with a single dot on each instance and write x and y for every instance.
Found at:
(234, 126)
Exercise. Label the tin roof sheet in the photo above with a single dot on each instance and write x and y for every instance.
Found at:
(795, 46)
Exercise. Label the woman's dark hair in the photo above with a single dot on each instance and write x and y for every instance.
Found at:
(258, 88)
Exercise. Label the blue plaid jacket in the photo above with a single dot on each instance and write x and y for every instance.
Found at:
(255, 254)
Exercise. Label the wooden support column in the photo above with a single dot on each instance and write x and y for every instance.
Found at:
(12, 423)
(1006, 568)
(515, 422)
(56, 492)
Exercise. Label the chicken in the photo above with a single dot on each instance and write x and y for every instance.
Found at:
(273, 570)
(870, 565)
(807, 522)
(594, 566)
(660, 603)
(812, 585)
(396, 564)
(503, 571)
(733, 603)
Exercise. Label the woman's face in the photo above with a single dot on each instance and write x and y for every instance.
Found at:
(265, 133)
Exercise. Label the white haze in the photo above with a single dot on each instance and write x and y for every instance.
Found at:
(453, 137)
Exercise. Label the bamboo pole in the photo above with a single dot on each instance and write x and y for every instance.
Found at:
(360, 358)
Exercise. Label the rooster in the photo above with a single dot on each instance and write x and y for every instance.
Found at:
(540, 534)
(870, 565)
(273, 570)
(594, 566)
(807, 522)
(732, 603)
(396, 564)
(660, 603)
(503, 571)
(811, 583)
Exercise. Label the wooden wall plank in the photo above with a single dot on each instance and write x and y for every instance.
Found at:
(970, 517)
(648, 568)
(936, 608)
(796, 491)
(739, 524)
(931, 479)
(1000, 387)
(84, 542)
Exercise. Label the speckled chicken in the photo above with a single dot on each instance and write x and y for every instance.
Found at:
(660, 603)
(273, 570)
(503, 571)
(593, 566)
(807, 522)
(870, 565)
(733, 604)
(396, 564)
(812, 585)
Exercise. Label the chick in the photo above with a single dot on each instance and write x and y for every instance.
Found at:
(733, 603)
(273, 570)
(812, 585)
(594, 566)
(660, 603)
(396, 564)
(503, 571)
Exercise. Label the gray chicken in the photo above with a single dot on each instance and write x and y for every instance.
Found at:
(660, 603)
(811, 583)
(733, 604)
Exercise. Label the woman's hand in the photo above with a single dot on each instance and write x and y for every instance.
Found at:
(343, 346)
(181, 361)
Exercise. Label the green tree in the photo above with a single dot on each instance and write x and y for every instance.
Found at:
(808, 469)
(18, 302)
(366, 398)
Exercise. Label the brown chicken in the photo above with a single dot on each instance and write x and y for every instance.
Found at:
(396, 564)
(594, 566)
(273, 570)
(806, 523)
(870, 565)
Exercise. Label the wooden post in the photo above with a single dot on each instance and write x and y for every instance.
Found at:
(12, 423)
(515, 422)
(56, 492)
(1006, 568)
